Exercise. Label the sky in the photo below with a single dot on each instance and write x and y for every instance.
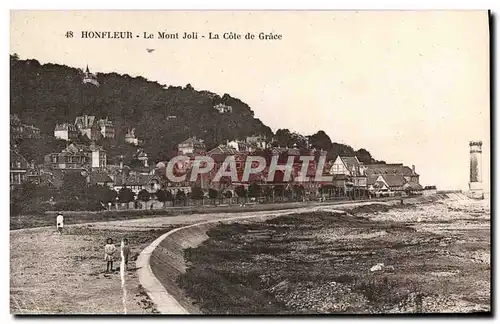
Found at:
(410, 87)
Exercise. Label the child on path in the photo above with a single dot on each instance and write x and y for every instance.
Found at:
(109, 254)
(125, 252)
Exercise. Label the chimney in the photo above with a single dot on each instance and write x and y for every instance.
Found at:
(413, 168)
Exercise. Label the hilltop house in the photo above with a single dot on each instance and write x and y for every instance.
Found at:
(222, 108)
(191, 146)
(131, 138)
(22, 171)
(106, 128)
(89, 77)
(66, 131)
(258, 141)
(95, 129)
(88, 126)
(240, 146)
(77, 156)
(19, 130)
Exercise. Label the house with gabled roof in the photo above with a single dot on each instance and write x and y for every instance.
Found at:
(191, 145)
(240, 146)
(393, 177)
(137, 182)
(351, 168)
(87, 125)
(66, 131)
(21, 170)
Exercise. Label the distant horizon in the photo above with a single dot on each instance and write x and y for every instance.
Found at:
(435, 64)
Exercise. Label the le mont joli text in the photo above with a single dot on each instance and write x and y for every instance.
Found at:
(181, 35)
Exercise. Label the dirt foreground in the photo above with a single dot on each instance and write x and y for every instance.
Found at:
(65, 274)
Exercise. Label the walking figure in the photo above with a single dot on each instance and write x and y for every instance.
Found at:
(60, 223)
(109, 254)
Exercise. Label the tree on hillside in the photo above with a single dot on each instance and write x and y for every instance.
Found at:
(101, 194)
(279, 190)
(36, 149)
(180, 195)
(298, 191)
(240, 191)
(320, 141)
(21, 197)
(73, 186)
(212, 194)
(197, 193)
(339, 150)
(364, 156)
(135, 163)
(125, 195)
(254, 190)
(144, 195)
(161, 196)
(268, 192)
(50, 94)
(284, 138)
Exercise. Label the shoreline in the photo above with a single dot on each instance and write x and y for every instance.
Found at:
(21, 222)
(180, 267)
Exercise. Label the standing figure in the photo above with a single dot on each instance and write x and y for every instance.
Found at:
(109, 254)
(60, 223)
(125, 252)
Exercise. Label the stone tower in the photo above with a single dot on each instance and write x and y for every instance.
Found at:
(475, 181)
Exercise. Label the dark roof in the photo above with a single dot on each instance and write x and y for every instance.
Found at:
(413, 186)
(394, 180)
(379, 184)
(99, 177)
(383, 169)
(350, 161)
(192, 140)
(340, 177)
(222, 149)
(371, 179)
(134, 180)
(407, 171)
(65, 126)
(15, 156)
